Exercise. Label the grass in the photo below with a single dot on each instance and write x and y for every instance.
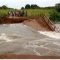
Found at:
(30, 12)
(4, 13)
(37, 12)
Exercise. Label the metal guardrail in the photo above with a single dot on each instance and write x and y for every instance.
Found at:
(51, 25)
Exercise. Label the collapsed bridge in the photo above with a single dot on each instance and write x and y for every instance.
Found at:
(43, 23)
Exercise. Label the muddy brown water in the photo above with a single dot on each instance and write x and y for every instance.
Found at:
(20, 39)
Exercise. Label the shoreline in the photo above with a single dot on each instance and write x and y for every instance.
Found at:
(13, 56)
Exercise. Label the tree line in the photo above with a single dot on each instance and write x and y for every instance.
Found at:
(34, 6)
(5, 7)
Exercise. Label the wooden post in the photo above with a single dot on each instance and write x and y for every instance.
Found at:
(50, 23)
(26, 13)
(54, 28)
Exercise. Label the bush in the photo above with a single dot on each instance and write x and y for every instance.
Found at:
(55, 16)
(58, 9)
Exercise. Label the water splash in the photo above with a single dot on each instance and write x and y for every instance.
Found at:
(20, 39)
(50, 34)
(4, 37)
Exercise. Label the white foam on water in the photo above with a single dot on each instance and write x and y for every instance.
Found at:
(23, 40)
(15, 44)
(4, 37)
(50, 34)
(3, 24)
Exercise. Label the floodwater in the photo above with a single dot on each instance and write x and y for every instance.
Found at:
(21, 39)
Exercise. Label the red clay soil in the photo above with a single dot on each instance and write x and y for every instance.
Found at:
(38, 24)
(13, 56)
(14, 20)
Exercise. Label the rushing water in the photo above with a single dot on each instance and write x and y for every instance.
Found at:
(21, 39)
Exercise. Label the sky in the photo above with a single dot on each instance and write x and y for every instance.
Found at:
(21, 3)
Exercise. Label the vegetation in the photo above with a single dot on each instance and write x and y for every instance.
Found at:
(5, 7)
(30, 12)
(4, 12)
(55, 14)
(57, 9)
(34, 6)
(34, 10)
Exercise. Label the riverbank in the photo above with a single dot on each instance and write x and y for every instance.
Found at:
(11, 56)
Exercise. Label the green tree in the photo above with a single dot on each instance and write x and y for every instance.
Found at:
(27, 6)
(22, 8)
(54, 16)
(4, 7)
(0, 7)
(34, 6)
(57, 9)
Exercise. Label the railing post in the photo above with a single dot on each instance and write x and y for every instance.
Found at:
(54, 28)
(50, 23)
